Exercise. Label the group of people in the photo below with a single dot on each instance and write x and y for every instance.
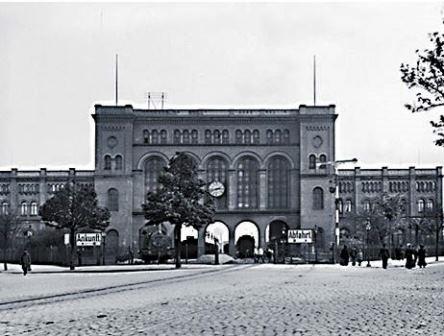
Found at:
(413, 257)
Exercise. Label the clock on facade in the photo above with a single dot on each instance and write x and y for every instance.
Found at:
(216, 189)
(112, 142)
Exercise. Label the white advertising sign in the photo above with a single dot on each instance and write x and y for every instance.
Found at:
(300, 236)
(89, 239)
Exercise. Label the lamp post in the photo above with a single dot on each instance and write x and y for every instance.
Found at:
(315, 243)
(334, 189)
(368, 227)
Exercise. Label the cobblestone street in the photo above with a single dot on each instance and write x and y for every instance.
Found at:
(232, 300)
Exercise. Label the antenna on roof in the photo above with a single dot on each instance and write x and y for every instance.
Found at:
(117, 79)
(155, 97)
(314, 80)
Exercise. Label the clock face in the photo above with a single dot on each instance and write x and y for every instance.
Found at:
(216, 189)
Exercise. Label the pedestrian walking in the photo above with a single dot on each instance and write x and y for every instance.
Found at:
(25, 261)
(421, 257)
(409, 257)
(360, 257)
(353, 255)
(384, 253)
(344, 256)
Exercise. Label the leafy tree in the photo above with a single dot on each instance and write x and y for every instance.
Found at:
(426, 78)
(10, 227)
(181, 199)
(385, 215)
(74, 207)
(430, 223)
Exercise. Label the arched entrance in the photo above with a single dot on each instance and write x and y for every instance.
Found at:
(246, 237)
(188, 237)
(276, 239)
(220, 231)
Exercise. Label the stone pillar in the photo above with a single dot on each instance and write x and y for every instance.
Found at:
(232, 189)
(412, 211)
(13, 189)
(231, 242)
(42, 187)
(385, 181)
(356, 189)
(295, 197)
(262, 230)
(263, 189)
(201, 242)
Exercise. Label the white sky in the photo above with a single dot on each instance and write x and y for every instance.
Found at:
(57, 60)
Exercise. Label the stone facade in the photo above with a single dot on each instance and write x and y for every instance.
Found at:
(268, 160)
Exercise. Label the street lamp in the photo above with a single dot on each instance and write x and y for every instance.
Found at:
(335, 189)
(368, 227)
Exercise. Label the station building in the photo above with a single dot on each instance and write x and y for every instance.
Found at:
(272, 165)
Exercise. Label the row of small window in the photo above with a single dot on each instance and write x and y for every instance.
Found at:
(399, 186)
(109, 162)
(346, 187)
(371, 187)
(421, 205)
(25, 208)
(4, 188)
(27, 188)
(425, 186)
(313, 161)
(243, 137)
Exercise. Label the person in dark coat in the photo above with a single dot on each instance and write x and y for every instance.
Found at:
(25, 261)
(384, 253)
(409, 257)
(344, 256)
(353, 255)
(421, 257)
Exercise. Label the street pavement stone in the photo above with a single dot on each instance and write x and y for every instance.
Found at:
(244, 300)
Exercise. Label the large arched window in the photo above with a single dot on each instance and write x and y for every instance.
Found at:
(107, 162)
(153, 167)
(322, 161)
(154, 137)
(286, 136)
(146, 136)
(256, 139)
(113, 200)
(163, 137)
(367, 206)
(312, 161)
(348, 206)
(269, 134)
(225, 137)
(429, 205)
(217, 170)
(119, 162)
(278, 183)
(24, 209)
(217, 137)
(34, 209)
(318, 198)
(207, 136)
(247, 137)
(238, 136)
(176, 136)
(186, 137)
(340, 205)
(5, 208)
(420, 206)
(194, 139)
(278, 136)
(247, 183)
